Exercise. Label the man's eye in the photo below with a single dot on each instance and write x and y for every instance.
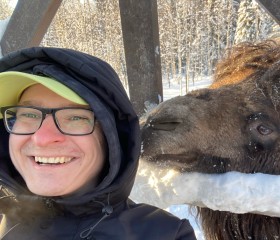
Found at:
(28, 115)
(78, 118)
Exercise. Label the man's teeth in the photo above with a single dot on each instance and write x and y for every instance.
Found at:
(53, 160)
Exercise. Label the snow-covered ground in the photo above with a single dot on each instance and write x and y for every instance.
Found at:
(174, 88)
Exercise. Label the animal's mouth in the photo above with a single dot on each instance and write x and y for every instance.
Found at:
(181, 162)
(191, 162)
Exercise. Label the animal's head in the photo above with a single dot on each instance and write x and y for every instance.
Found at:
(232, 126)
(235, 127)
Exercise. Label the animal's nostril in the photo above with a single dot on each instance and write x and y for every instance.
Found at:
(165, 126)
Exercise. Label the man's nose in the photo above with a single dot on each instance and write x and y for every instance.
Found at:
(48, 133)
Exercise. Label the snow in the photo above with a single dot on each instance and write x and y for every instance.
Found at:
(3, 25)
(172, 89)
(233, 191)
(13, 3)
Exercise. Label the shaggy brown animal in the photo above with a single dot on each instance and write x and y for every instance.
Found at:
(235, 126)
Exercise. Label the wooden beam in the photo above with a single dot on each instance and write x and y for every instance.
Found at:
(272, 7)
(139, 21)
(28, 24)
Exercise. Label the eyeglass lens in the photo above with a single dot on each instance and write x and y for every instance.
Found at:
(27, 120)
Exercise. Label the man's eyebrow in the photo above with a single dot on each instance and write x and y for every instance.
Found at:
(29, 103)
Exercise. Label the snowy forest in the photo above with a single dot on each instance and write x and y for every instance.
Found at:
(193, 33)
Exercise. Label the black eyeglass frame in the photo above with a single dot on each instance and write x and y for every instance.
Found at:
(45, 112)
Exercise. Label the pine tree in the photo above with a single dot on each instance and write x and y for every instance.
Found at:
(247, 22)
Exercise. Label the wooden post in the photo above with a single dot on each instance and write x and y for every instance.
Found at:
(272, 7)
(28, 24)
(139, 21)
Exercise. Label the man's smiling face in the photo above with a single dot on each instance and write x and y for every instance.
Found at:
(51, 163)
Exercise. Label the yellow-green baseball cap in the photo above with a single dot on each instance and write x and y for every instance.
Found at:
(12, 85)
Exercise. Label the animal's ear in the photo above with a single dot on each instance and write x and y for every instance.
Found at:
(269, 84)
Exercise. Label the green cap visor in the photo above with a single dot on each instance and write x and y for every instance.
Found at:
(12, 85)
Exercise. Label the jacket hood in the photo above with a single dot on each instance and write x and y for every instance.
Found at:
(98, 84)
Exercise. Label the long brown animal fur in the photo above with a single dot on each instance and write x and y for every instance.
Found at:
(241, 62)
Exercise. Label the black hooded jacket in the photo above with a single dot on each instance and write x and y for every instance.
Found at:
(103, 212)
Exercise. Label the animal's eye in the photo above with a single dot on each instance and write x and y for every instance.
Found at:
(264, 130)
(165, 126)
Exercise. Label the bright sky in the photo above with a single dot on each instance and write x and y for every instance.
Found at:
(13, 3)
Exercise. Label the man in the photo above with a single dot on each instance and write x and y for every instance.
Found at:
(72, 153)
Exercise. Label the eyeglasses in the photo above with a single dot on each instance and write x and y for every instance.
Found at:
(26, 120)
